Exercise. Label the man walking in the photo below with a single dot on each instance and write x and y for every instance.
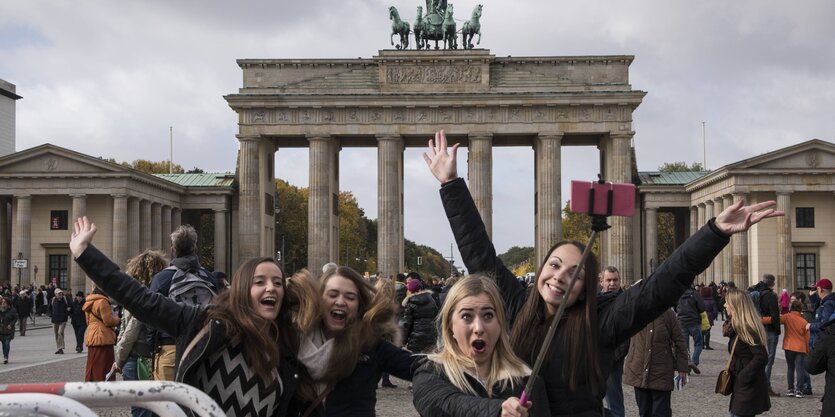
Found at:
(610, 284)
(24, 309)
(60, 313)
(765, 299)
(79, 320)
(689, 312)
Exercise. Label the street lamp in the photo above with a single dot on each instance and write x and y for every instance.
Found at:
(19, 270)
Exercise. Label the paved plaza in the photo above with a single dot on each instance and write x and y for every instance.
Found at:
(33, 359)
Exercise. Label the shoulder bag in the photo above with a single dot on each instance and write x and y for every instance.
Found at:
(724, 384)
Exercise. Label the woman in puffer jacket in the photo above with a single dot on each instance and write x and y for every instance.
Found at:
(420, 311)
(476, 373)
(100, 337)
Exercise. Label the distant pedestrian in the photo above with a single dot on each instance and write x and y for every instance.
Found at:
(60, 314)
(689, 309)
(610, 284)
(8, 318)
(785, 301)
(825, 308)
(79, 320)
(100, 337)
(420, 312)
(23, 305)
(750, 356)
(768, 307)
(796, 346)
(711, 310)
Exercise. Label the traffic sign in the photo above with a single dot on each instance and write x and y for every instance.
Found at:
(20, 263)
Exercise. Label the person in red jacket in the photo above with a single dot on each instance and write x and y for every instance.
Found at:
(796, 346)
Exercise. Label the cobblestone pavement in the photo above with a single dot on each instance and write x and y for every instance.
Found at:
(33, 360)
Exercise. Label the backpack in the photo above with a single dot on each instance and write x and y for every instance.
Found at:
(756, 297)
(192, 287)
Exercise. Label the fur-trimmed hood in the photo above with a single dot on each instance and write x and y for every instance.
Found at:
(419, 300)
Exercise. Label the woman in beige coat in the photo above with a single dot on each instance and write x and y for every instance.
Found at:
(655, 354)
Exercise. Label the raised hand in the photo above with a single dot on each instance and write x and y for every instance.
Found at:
(82, 234)
(442, 165)
(738, 218)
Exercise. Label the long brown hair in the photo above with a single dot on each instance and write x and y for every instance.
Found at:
(579, 351)
(242, 324)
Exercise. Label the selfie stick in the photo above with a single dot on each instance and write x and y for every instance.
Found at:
(598, 224)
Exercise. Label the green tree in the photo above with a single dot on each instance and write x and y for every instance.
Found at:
(666, 226)
(519, 260)
(352, 233)
(432, 261)
(291, 224)
(577, 226)
(153, 167)
(681, 166)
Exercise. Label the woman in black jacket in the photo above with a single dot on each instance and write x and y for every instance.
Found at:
(577, 366)
(476, 374)
(231, 349)
(8, 319)
(746, 332)
(420, 311)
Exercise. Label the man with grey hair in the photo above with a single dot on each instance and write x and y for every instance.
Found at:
(183, 258)
(609, 280)
(765, 300)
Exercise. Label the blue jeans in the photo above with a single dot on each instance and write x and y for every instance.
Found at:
(614, 391)
(794, 361)
(694, 332)
(772, 350)
(7, 346)
(129, 374)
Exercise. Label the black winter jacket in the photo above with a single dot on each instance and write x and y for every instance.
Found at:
(435, 396)
(356, 395)
(420, 331)
(689, 308)
(161, 283)
(23, 306)
(186, 323)
(60, 310)
(8, 320)
(750, 384)
(769, 307)
(619, 318)
(77, 314)
(822, 359)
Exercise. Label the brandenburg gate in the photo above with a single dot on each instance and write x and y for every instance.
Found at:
(398, 99)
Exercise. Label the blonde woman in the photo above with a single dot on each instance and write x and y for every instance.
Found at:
(750, 383)
(476, 373)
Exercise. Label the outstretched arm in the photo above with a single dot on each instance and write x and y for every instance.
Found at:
(738, 218)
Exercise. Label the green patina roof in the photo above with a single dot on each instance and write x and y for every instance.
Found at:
(670, 178)
(209, 179)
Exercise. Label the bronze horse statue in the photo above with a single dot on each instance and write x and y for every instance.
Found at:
(471, 28)
(398, 27)
(450, 35)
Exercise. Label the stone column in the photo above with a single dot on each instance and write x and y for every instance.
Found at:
(651, 232)
(133, 227)
(166, 224)
(156, 228)
(784, 276)
(120, 230)
(694, 220)
(5, 241)
(727, 253)
(24, 237)
(389, 204)
(740, 252)
(333, 192)
(548, 197)
(701, 222)
(318, 206)
(710, 271)
(718, 265)
(176, 218)
(480, 176)
(220, 241)
(249, 209)
(620, 235)
(144, 225)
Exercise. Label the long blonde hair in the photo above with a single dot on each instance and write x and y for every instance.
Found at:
(505, 367)
(745, 319)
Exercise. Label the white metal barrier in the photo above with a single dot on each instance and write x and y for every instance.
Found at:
(36, 404)
(157, 396)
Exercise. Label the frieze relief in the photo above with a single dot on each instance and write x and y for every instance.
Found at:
(435, 115)
(452, 74)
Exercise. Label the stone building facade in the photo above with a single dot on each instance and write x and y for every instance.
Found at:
(8, 120)
(43, 188)
(797, 249)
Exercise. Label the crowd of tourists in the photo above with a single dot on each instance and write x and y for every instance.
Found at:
(319, 342)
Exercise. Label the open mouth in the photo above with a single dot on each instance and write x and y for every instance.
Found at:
(556, 290)
(269, 301)
(479, 346)
(339, 315)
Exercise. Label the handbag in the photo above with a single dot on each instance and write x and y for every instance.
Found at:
(724, 384)
(705, 321)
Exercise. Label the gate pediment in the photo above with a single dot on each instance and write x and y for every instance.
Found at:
(51, 159)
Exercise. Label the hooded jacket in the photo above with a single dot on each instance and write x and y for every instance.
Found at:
(822, 359)
(100, 321)
(657, 352)
(420, 310)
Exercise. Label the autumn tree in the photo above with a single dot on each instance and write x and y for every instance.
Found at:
(153, 167)
(519, 260)
(681, 166)
(352, 233)
(291, 225)
(666, 226)
(577, 226)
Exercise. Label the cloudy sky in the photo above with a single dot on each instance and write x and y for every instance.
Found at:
(109, 78)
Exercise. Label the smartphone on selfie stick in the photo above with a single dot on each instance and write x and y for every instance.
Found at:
(598, 199)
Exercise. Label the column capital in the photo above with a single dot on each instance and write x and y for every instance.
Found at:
(650, 208)
(480, 135)
(22, 196)
(719, 199)
(120, 196)
(223, 210)
(388, 137)
(317, 137)
(701, 205)
(248, 138)
(709, 202)
(622, 135)
(550, 136)
(784, 193)
(78, 195)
